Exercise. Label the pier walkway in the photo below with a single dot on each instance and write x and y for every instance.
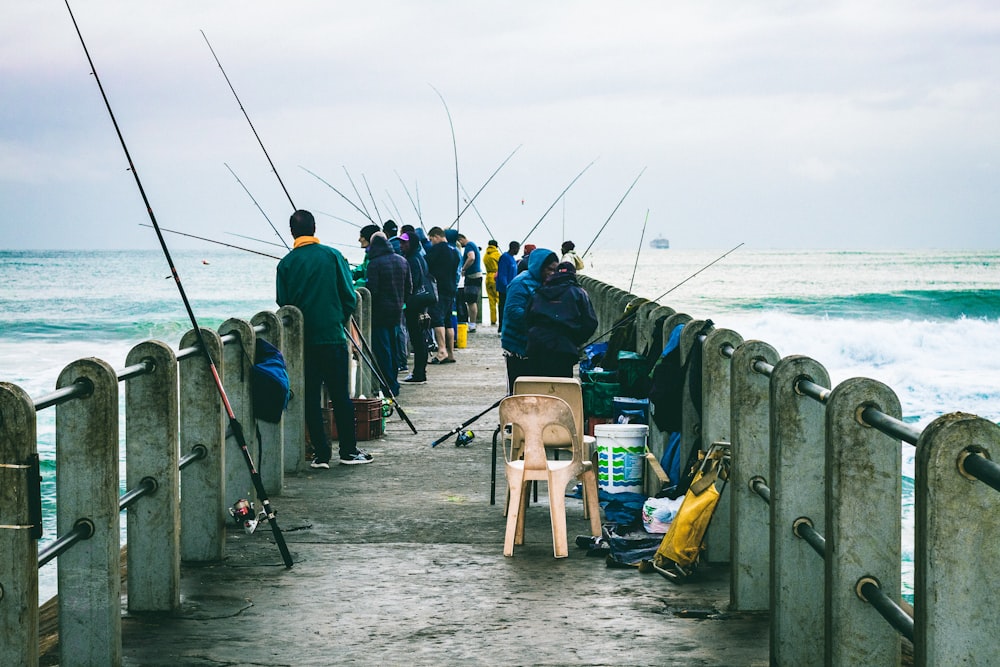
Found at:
(400, 562)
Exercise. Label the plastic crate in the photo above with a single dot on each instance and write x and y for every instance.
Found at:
(367, 419)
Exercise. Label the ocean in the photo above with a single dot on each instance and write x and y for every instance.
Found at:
(926, 323)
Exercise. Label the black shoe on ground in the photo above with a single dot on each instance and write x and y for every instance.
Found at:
(357, 458)
(412, 380)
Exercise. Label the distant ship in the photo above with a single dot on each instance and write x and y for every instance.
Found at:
(659, 242)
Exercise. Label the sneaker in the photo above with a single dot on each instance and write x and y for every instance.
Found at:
(357, 458)
(402, 369)
(316, 463)
(412, 380)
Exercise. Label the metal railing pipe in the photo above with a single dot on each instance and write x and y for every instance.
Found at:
(83, 529)
(982, 468)
(198, 452)
(890, 425)
(803, 528)
(759, 486)
(869, 590)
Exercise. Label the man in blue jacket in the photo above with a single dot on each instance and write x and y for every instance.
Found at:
(506, 271)
(514, 338)
(317, 280)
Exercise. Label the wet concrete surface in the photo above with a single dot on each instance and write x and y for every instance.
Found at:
(401, 562)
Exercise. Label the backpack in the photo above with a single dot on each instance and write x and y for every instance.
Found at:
(269, 381)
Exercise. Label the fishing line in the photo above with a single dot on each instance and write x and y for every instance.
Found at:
(412, 203)
(631, 316)
(639, 251)
(247, 116)
(556, 202)
(331, 215)
(612, 213)
(234, 425)
(480, 216)
(374, 205)
(396, 208)
(202, 238)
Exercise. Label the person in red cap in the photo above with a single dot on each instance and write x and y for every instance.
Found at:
(522, 265)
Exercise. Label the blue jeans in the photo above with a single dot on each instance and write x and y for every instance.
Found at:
(384, 346)
(329, 365)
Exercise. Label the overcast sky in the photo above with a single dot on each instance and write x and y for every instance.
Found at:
(843, 125)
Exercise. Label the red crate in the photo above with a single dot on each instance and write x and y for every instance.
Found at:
(367, 419)
(594, 421)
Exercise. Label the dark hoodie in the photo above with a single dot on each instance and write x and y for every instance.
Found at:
(388, 281)
(514, 337)
(560, 317)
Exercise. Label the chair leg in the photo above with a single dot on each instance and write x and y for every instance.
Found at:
(513, 512)
(522, 510)
(589, 479)
(557, 516)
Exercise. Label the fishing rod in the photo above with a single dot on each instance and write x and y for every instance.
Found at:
(639, 251)
(555, 202)
(374, 205)
(613, 213)
(412, 203)
(360, 198)
(247, 116)
(482, 187)
(343, 196)
(365, 354)
(235, 427)
(480, 216)
(625, 320)
(462, 426)
(330, 215)
(454, 146)
(254, 238)
(202, 238)
(254, 200)
(396, 208)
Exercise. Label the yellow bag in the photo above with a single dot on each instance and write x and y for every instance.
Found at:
(682, 543)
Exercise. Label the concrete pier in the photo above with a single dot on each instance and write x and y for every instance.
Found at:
(400, 562)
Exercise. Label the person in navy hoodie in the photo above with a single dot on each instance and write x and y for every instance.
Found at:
(560, 319)
(514, 339)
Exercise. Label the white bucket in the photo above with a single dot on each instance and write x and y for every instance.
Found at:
(621, 451)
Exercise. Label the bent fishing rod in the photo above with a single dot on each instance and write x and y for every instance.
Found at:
(627, 319)
(234, 425)
(247, 116)
(412, 203)
(454, 147)
(374, 205)
(565, 190)
(596, 236)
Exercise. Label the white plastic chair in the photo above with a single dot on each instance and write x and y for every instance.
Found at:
(530, 417)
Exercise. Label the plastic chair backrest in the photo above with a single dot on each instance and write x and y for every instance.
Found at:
(531, 415)
(568, 389)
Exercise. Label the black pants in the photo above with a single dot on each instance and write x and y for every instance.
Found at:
(418, 340)
(329, 364)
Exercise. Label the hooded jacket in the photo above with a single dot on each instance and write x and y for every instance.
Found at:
(560, 317)
(491, 259)
(388, 281)
(514, 337)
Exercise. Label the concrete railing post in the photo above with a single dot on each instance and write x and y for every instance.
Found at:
(236, 380)
(797, 491)
(716, 373)
(690, 418)
(18, 544)
(151, 451)
(864, 491)
(367, 383)
(202, 422)
(87, 490)
(955, 554)
(272, 446)
(750, 576)
(294, 421)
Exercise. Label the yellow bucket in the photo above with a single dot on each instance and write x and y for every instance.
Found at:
(462, 335)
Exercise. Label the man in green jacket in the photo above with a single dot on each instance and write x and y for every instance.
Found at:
(317, 280)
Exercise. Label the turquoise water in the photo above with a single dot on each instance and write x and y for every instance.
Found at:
(925, 323)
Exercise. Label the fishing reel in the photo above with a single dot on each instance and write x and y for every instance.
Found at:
(243, 514)
(465, 438)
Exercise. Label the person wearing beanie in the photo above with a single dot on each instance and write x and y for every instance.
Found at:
(389, 228)
(569, 255)
(560, 319)
(491, 261)
(506, 272)
(360, 272)
(522, 265)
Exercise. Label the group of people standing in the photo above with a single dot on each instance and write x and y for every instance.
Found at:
(420, 285)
